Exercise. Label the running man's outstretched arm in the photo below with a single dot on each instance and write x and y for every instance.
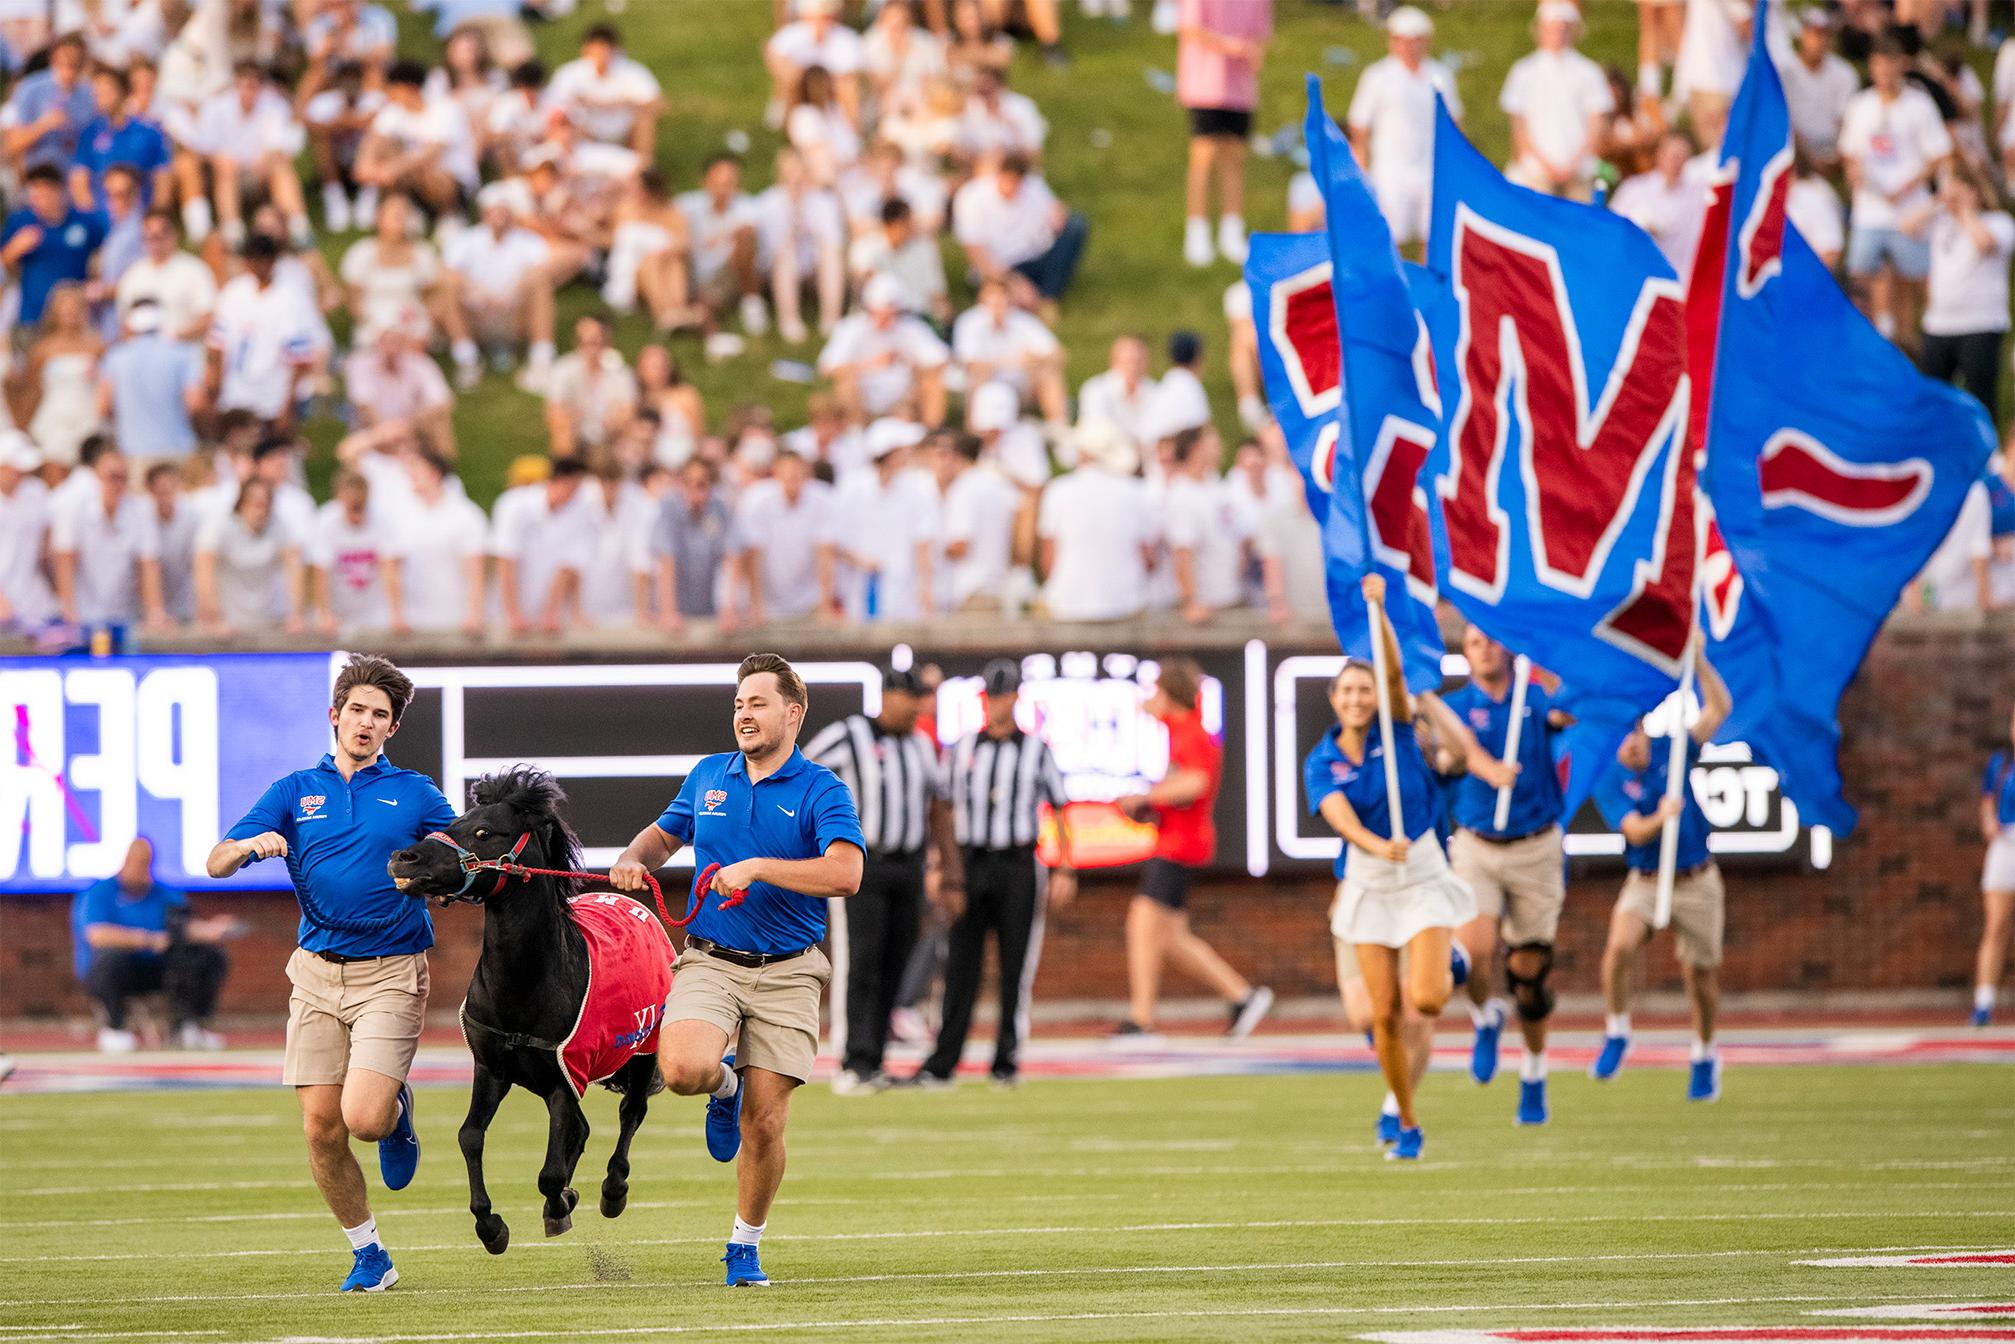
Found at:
(651, 850)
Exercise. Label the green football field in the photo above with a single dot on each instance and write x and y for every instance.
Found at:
(1210, 1208)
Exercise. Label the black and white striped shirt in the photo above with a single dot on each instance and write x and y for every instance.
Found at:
(997, 787)
(892, 776)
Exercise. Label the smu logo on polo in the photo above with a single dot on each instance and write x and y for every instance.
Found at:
(714, 799)
(311, 806)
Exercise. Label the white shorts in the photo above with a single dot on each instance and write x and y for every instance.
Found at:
(1406, 200)
(1999, 873)
(1388, 904)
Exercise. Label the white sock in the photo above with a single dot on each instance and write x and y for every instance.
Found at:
(1616, 1024)
(1702, 1050)
(363, 1234)
(1650, 79)
(1532, 1069)
(465, 353)
(731, 1083)
(1390, 1106)
(1479, 1014)
(197, 220)
(1498, 1011)
(1983, 997)
(745, 1235)
(541, 352)
(333, 196)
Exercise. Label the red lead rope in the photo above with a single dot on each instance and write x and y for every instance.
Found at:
(700, 884)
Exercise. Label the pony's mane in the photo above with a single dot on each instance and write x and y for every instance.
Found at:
(536, 796)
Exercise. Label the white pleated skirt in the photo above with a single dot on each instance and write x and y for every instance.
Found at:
(1387, 904)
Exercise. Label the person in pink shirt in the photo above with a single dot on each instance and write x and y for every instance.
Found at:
(1220, 45)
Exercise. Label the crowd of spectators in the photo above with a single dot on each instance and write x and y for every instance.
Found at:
(180, 169)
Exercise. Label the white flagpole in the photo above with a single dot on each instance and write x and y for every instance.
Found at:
(1378, 672)
(1675, 780)
(1521, 677)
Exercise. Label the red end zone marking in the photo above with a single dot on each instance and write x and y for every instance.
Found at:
(1991, 1258)
(1913, 1261)
(1733, 1334)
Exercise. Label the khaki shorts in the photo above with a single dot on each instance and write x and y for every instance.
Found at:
(1698, 902)
(366, 1015)
(774, 1008)
(1523, 884)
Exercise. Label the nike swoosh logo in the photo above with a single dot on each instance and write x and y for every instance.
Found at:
(389, 802)
(785, 810)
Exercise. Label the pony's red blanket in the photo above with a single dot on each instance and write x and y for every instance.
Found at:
(629, 975)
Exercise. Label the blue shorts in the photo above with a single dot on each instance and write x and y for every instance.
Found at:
(1866, 249)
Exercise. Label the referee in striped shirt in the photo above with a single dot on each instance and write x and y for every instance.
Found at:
(999, 778)
(898, 785)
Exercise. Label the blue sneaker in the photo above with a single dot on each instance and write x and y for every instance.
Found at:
(399, 1151)
(1981, 1017)
(1458, 961)
(1703, 1081)
(1483, 1053)
(744, 1269)
(1408, 1148)
(1532, 1101)
(1388, 1129)
(1611, 1059)
(724, 1137)
(372, 1272)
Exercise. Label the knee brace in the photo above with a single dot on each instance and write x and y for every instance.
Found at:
(1531, 992)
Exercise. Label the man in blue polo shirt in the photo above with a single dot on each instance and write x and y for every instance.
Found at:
(360, 973)
(48, 240)
(1516, 869)
(1632, 799)
(785, 831)
(116, 136)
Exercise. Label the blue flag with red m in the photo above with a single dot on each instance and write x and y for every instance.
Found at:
(1833, 467)
(1565, 492)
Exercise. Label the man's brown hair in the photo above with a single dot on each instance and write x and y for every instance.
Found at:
(1181, 680)
(789, 683)
(368, 669)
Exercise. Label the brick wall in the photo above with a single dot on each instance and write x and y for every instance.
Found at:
(1898, 910)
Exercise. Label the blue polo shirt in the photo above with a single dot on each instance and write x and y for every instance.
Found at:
(138, 143)
(340, 833)
(792, 814)
(107, 903)
(1535, 799)
(63, 254)
(1362, 784)
(1623, 792)
(32, 99)
(1999, 784)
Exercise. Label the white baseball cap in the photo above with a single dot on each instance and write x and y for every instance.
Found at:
(887, 434)
(1102, 443)
(995, 405)
(1559, 11)
(1406, 21)
(143, 317)
(17, 450)
(883, 291)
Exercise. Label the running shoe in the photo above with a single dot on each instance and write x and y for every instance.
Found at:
(745, 1270)
(924, 1079)
(724, 1128)
(1483, 1053)
(1407, 1149)
(399, 1151)
(1246, 1015)
(1388, 1129)
(1532, 1101)
(1981, 1017)
(1458, 961)
(371, 1272)
(852, 1084)
(1703, 1081)
(1611, 1059)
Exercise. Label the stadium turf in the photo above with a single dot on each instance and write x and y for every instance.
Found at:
(1177, 1209)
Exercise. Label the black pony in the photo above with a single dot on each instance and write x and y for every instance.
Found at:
(528, 988)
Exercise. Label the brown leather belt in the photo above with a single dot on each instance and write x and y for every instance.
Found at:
(751, 960)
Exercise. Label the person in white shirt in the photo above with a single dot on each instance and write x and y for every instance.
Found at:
(26, 600)
(349, 558)
(1813, 207)
(420, 145)
(1712, 46)
(998, 121)
(439, 539)
(1180, 401)
(884, 530)
(248, 134)
(180, 285)
(1958, 575)
(818, 38)
(1391, 122)
(995, 341)
(177, 520)
(1124, 393)
(801, 238)
(105, 548)
(354, 32)
(1017, 446)
(1892, 141)
(1557, 100)
(895, 246)
(1203, 530)
(1818, 84)
(336, 120)
(900, 60)
(783, 569)
(616, 585)
(723, 224)
(542, 536)
(276, 460)
(880, 357)
(1670, 201)
(1094, 532)
(497, 289)
(820, 129)
(248, 568)
(1966, 313)
(266, 340)
(981, 510)
(614, 99)
(1009, 220)
(592, 394)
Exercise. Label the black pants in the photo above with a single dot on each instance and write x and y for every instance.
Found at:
(881, 923)
(189, 974)
(1974, 356)
(1001, 898)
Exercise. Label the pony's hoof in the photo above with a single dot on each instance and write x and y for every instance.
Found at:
(557, 1226)
(495, 1241)
(614, 1202)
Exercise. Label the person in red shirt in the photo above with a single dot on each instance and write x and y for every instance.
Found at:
(1181, 807)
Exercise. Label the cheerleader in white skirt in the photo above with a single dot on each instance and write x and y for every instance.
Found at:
(1393, 894)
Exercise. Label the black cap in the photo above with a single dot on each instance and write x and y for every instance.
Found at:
(262, 247)
(904, 679)
(1002, 676)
